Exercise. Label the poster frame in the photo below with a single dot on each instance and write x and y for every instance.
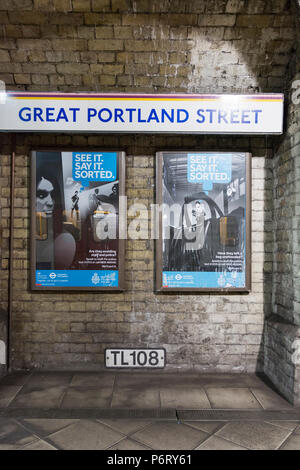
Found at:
(122, 220)
(158, 246)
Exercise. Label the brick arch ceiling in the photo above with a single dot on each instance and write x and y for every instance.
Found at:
(141, 46)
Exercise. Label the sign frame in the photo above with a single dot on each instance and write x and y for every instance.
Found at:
(127, 113)
(159, 240)
(122, 221)
(135, 366)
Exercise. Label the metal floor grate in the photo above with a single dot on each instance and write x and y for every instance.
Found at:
(89, 413)
(239, 415)
(154, 414)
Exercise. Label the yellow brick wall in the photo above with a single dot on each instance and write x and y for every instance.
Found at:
(140, 46)
(67, 330)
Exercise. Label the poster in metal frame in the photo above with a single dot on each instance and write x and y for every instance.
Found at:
(204, 221)
(76, 219)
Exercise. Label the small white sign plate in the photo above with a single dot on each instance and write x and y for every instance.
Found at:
(135, 358)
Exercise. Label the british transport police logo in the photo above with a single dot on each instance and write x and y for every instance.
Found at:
(95, 279)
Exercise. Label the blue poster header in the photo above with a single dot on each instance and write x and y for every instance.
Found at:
(93, 166)
(209, 168)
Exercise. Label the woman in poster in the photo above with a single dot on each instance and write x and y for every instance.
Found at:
(55, 246)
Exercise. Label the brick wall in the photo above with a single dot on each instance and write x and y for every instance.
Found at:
(142, 46)
(4, 224)
(126, 46)
(286, 163)
(205, 332)
(3, 342)
(282, 328)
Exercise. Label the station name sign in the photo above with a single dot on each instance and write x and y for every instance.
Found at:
(141, 113)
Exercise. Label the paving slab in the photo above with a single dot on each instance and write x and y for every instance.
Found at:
(255, 435)
(38, 445)
(254, 380)
(207, 426)
(138, 381)
(49, 379)
(125, 426)
(218, 443)
(165, 436)
(169, 380)
(87, 397)
(7, 394)
(232, 398)
(16, 378)
(36, 397)
(292, 443)
(290, 425)
(297, 430)
(124, 397)
(44, 427)
(94, 379)
(13, 435)
(128, 444)
(8, 426)
(180, 397)
(223, 380)
(85, 435)
(270, 400)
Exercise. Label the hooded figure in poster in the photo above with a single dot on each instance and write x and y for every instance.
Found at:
(207, 196)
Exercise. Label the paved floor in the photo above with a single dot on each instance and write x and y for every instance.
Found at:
(29, 403)
(72, 434)
(68, 390)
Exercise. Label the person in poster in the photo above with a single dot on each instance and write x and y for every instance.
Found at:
(206, 197)
(48, 207)
(198, 226)
(44, 197)
(75, 204)
(80, 251)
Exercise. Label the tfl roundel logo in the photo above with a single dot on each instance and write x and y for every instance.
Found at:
(178, 277)
(52, 275)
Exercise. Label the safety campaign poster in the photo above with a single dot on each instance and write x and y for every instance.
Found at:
(75, 219)
(205, 221)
